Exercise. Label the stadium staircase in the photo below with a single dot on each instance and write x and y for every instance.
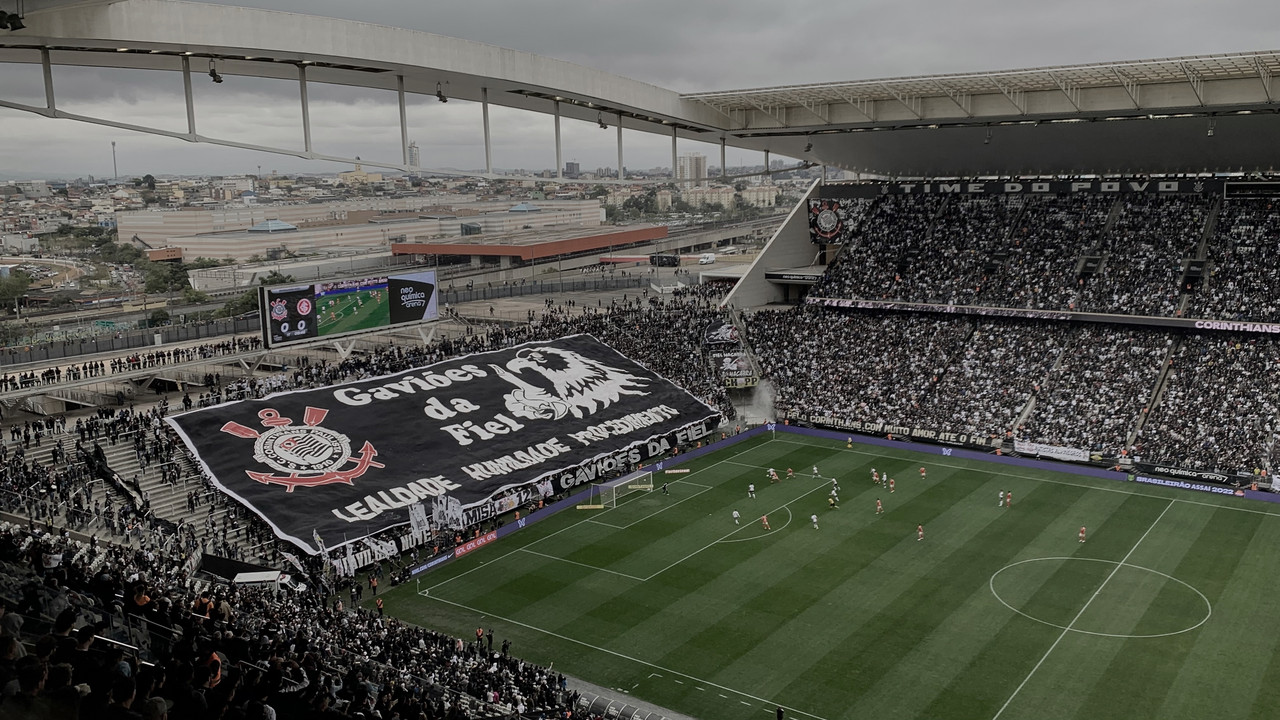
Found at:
(101, 490)
(1157, 391)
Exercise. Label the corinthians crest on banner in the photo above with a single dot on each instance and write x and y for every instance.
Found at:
(351, 460)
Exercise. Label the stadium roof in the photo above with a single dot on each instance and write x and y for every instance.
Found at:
(958, 89)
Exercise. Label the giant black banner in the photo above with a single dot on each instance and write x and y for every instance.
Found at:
(347, 461)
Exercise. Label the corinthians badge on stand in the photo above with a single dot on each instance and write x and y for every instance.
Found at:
(310, 454)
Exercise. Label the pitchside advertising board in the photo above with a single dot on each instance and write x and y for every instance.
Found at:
(305, 312)
(347, 461)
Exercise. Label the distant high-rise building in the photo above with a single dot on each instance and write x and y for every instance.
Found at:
(415, 155)
(691, 168)
(572, 169)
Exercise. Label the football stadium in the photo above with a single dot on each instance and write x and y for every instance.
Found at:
(984, 429)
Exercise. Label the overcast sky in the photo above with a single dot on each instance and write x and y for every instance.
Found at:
(685, 45)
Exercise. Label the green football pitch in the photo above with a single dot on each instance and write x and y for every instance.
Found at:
(359, 310)
(999, 612)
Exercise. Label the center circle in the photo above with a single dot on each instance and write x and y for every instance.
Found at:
(1190, 596)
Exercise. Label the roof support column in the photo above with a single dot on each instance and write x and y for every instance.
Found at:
(186, 91)
(673, 153)
(47, 67)
(621, 175)
(724, 171)
(766, 163)
(559, 163)
(404, 123)
(306, 108)
(488, 145)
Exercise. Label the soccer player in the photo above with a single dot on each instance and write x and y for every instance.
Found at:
(791, 474)
(736, 517)
(922, 473)
(815, 471)
(665, 491)
(764, 520)
(879, 507)
(835, 496)
(773, 475)
(1000, 502)
(1008, 499)
(890, 484)
(814, 518)
(831, 503)
(1081, 533)
(919, 532)
(751, 490)
(875, 476)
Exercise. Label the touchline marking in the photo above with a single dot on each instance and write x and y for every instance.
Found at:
(628, 657)
(1099, 488)
(575, 562)
(504, 555)
(1089, 602)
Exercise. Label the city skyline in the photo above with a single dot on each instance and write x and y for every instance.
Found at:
(755, 45)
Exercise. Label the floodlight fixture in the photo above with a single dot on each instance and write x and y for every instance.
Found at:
(440, 93)
(600, 121)
(213, 73)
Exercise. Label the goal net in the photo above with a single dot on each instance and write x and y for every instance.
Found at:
(608, 495)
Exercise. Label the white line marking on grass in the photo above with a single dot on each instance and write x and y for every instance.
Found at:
(638, 661)
(1044, 480)
(667, 507)
(735, 532)
(991, 585)
(512, 552)
(1089, 602)
(575, 562)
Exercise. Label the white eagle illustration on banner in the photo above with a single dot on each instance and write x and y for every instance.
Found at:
(567, 384)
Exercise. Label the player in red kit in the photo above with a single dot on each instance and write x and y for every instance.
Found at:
(1008, 499)
(919, 532)
(879, 507)
(890, 484)
(764, 520)
(791, 474)
(921, 473)
(1081, 533)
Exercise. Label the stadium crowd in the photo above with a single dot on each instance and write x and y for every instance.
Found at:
(1091, 399)
(1091, 385)
(1029, 251)
(1219, 406)
(1144, 250)
(1245, 263)
(241, 651)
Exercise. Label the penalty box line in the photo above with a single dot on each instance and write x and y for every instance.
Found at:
(786, 506)
(638, 661)
(567, 527)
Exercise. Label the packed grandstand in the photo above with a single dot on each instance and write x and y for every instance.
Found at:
(115, 563)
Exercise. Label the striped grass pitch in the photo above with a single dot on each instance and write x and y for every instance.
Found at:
(999, 612)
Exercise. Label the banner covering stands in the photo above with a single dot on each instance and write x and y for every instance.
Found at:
(348, 461)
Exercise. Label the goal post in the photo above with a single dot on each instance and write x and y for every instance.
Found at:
(608, 495)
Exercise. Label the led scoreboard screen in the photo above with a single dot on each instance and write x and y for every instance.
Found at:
(293, 313)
